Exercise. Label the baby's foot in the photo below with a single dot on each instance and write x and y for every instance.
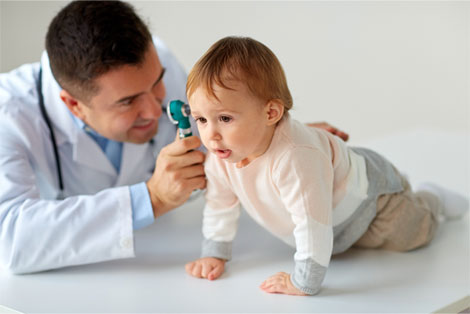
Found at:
(454, 205)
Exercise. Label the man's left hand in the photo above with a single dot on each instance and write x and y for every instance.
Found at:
(327, 127)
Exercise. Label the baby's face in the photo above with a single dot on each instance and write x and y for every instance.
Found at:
(234, 127)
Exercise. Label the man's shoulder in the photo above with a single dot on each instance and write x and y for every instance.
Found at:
(168, 59)
(18, 88)
(19, 109)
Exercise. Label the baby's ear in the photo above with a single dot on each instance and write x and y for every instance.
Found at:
(274, 111)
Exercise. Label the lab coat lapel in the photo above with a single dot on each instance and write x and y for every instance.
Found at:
(87, 152)
(133, 157)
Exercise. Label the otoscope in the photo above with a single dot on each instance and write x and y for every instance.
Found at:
(179, 112)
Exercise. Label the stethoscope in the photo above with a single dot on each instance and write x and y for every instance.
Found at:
(45, 116)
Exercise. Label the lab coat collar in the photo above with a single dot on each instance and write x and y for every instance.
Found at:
(59, 114)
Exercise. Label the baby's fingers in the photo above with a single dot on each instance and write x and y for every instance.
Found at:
(195, 270)
(280, 283)
(273, 284)
(216, 272)
(206, 269)
(189, 267)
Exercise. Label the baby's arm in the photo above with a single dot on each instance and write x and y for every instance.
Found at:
(220, 220)
(304, 178)
(207, 267)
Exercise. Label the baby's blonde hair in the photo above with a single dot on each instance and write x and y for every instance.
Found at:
(243, 59)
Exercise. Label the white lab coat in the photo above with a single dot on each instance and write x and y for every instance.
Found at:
(94, 222)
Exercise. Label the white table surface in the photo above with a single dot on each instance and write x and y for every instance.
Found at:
(357, 281)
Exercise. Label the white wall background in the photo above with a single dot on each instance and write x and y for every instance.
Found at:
(372, 68)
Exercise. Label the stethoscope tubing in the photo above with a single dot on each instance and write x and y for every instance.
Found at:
(51, 131)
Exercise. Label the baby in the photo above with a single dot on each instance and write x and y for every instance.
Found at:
(303, 184)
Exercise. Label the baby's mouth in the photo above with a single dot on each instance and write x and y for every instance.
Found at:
(223, 153)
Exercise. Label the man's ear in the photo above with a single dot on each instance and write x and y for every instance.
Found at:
(274, 111)
(74, 105)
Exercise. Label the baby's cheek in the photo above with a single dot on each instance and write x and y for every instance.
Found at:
(204, 139)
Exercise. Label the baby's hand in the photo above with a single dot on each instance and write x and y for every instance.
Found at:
(280, 283)
(206, 267)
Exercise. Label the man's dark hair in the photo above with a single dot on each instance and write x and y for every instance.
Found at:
(88, 38)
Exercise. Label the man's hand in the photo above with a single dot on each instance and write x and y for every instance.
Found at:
(280, 283)
(178, 171)
(207, 267)
(327, 127)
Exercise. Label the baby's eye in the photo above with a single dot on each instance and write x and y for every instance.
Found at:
(225, 118)
(201, 120)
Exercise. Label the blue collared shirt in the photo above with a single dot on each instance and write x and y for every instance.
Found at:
(142, 212)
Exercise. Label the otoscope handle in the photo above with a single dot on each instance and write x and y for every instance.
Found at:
(178, 113)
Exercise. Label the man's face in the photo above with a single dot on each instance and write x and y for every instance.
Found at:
(129, 101)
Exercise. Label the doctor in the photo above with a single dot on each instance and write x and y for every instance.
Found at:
(86, 155)
(77, 177)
